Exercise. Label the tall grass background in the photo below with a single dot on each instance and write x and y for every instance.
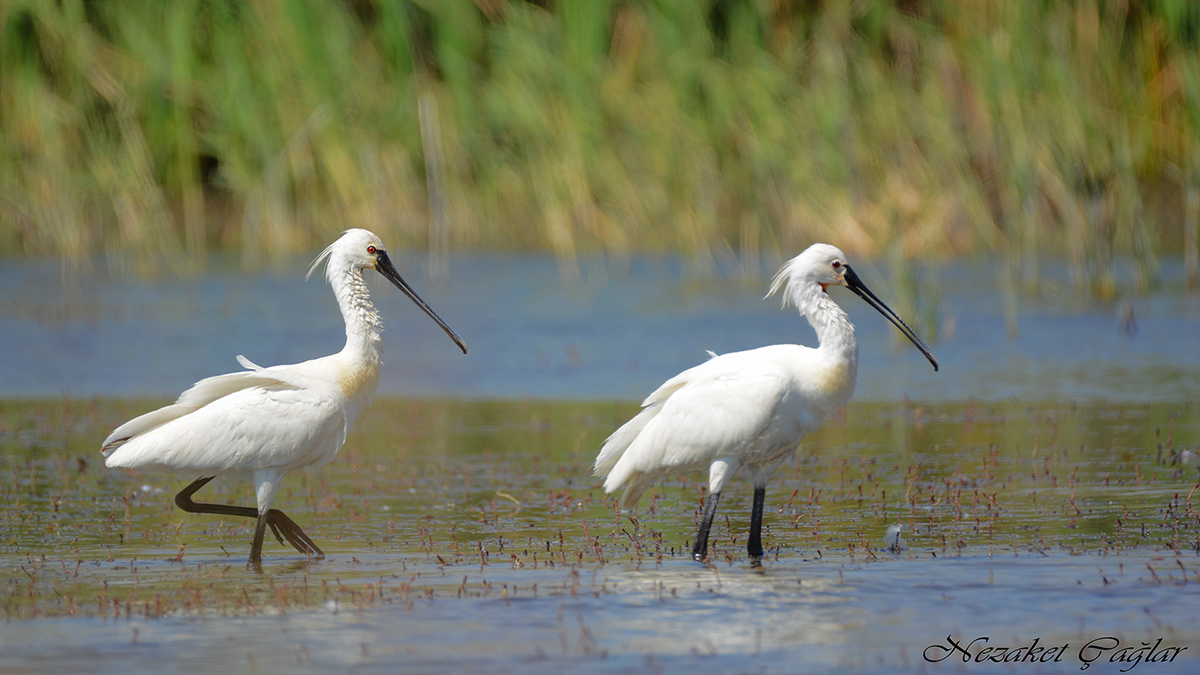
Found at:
(151, 133)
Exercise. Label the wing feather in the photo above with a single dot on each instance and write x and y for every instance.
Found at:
(199, 395)
(211, 389)
(740, 407)
(270, 425)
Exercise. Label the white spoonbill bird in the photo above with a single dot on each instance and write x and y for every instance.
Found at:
(262, 423)
(748, 409)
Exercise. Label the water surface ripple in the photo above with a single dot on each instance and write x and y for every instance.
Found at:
(614, 334)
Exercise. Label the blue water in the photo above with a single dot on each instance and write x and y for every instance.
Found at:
(615, 334)
(810, 616)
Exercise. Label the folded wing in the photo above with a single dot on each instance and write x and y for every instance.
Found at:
(261, 418)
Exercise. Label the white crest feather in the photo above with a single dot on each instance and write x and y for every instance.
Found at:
(779, 283)
(321, 257)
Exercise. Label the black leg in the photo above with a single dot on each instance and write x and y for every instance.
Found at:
(700, 549)
(281, 526)
(256, 548)
(184, 501)
(754, 547)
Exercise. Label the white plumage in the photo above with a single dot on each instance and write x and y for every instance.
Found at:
(747, 410)
(242, 422)
(263, 423)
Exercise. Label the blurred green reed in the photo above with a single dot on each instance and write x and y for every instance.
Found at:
(915, 129)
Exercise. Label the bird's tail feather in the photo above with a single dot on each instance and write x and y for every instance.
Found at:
(620, 440)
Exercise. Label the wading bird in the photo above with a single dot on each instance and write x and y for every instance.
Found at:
(748, 410)
(262, 423)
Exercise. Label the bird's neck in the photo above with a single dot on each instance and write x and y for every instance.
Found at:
(839, 349)
(834, 330)
(364, 329)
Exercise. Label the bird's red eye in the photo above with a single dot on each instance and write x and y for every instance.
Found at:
(836, 264)
(371, 250)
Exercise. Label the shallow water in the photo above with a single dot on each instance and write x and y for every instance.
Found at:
(468, 535)
(1040, 478)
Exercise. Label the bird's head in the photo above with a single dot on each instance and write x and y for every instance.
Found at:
(819, 265)
(822, 265)
(358, 249)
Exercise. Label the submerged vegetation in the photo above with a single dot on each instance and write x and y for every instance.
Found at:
(907, 128)
(428, 493)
